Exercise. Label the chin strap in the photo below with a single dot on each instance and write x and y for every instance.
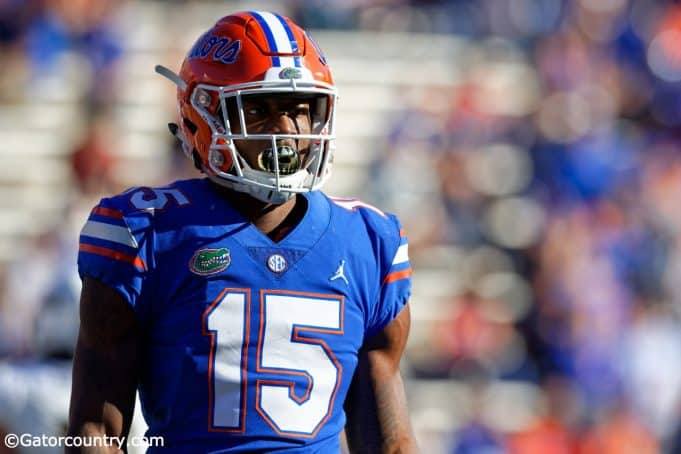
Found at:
(262, 194)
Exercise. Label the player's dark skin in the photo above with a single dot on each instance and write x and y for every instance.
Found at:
(108, 361)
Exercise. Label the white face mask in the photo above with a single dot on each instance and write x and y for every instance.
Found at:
(280, 170)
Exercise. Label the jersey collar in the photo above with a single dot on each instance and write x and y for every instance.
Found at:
(303, 236)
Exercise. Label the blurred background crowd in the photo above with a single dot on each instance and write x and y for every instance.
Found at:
(530, 147)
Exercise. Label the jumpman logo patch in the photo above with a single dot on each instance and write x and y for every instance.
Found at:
(340, 273)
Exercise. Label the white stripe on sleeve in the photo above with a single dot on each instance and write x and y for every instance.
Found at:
(115, 233)
(402, 254)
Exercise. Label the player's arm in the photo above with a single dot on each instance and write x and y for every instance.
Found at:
(376, 405)
(105, 367)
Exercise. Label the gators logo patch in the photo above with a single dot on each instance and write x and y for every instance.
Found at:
(209, 261)
(290, 73)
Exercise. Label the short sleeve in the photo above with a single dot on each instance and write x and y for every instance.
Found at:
(113, 247)
(395, 285)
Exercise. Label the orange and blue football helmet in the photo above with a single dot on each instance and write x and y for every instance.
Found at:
(254, 54)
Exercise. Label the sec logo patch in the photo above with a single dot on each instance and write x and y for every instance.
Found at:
(277, 263)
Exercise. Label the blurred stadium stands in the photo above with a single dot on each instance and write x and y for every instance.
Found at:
(530, 147)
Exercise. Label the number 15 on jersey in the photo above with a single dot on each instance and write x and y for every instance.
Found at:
(285, 354)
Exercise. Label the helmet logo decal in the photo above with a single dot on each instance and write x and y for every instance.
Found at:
(222, 48)
(290, 73)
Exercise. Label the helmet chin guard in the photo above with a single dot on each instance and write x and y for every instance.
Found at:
(255, 54)
(263, 193)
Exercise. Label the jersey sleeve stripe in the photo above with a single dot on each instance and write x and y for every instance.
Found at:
(108, 212)
(397, 275)
(402, 254)
(113, 233)
(113, 254)
(402, 233)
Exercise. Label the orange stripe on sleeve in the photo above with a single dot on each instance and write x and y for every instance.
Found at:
(402, 233)
(108, 212)
(116, 255)
(397, 275)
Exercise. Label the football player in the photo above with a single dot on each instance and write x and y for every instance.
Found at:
(253, 312)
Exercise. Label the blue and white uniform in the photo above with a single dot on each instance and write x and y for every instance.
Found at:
(250, 344)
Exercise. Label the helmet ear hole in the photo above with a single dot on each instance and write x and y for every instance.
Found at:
(190, 125)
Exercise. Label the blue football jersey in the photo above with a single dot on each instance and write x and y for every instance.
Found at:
(250, 344)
